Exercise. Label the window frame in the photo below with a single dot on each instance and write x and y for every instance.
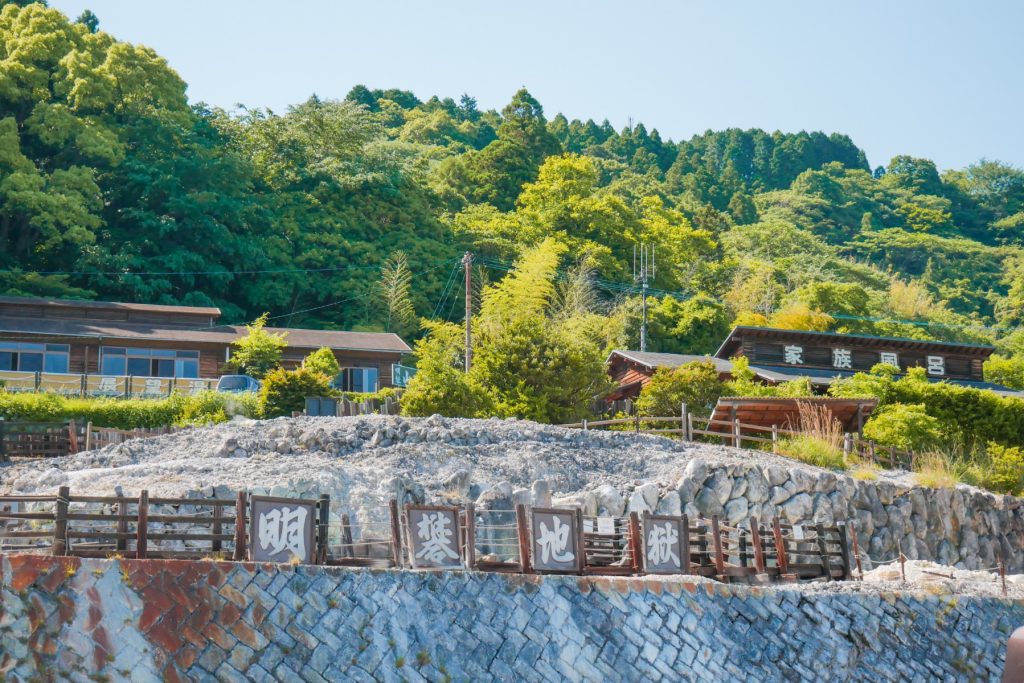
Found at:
(180, 360)
(45, 351)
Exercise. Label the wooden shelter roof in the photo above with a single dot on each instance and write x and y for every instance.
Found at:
(765, 411)
(732, 343)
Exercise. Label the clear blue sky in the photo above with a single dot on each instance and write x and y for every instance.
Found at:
(936, 79)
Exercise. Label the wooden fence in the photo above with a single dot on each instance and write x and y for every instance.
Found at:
(56, 439)
(740, 435)
(486, 540)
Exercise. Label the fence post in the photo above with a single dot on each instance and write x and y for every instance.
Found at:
(122, 523)
(780, 547)
(634, 541)
(141, 526)
(636, 422)
(88, 435)
(755, 537)
(775, 437)
(684, 415)
(844, 550)
(856, 552)
(324, 509)
(871, 451)
(717, 538)
(72, 437)
(38, 380)
(584, 424)
(911, 453)
(82, 383)
(128, 387)
(847, 444)
(470, 536)
(240, 502)
(523, 532)
(684, 545)
(826, 563)
(396, 533)
(60, 522)
(737, 439)
(215, 545)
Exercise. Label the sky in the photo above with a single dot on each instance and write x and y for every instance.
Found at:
(940, 80)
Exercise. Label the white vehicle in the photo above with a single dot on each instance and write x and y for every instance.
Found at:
(238, 384)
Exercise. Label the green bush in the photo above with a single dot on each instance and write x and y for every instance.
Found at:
(903, 426)
(285, 391)
(1004, 471)
(178, 409)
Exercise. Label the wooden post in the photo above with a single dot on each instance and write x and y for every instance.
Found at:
(60, 522)
(141, 525)
(636, 422)
(844, 550)
(470, 536)
(903, 566)
(635, 545)
(737, 434)
(523, 531)
(780, 547)
(775, 437)
(581, 561)
(689, 426)
(396, 533)
(683, 415)
(856, 552)
(72, 437)
(584, 424)
(717, 538)
(346, 537)
(847, 444)
(122, 524)
(871, 452)
(823, 550)
(733, 419)
(83, 382)
(742, 541)
(88, 435)
(684, 546)
(755, 537)
(911, 453)
(240, 505)
(1002, 575)
(215, 545)
(324, 508)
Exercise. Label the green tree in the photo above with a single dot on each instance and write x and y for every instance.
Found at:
(696, 384)
(323, 362)
(395, 291)
(903, 426)
(260, 350)
(285, 391)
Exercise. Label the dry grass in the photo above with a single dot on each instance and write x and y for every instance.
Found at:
(864, 472)
(820, 441)
(936, 471)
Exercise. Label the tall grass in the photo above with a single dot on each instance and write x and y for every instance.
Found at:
(820, 441)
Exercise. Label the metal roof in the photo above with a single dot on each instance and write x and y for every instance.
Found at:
(221, 334)
(108, 305)
(864, 339)
(820, 377)
(668, 360)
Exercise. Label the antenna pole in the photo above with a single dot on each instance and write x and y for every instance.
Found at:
(467, 264)
(644, 264)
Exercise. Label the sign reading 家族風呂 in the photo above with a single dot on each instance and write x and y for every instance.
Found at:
(433, 537)
(663, 544)
(555, 539)
(282, 530)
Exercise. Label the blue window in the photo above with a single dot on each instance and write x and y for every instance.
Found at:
(149, 362)
(26, 357)
(362, 380)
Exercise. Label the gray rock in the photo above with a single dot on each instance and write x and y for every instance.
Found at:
(609, 501)
(736, 511)
(670, 504)
(798, 508)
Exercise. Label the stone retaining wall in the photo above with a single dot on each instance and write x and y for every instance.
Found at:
(151, 620)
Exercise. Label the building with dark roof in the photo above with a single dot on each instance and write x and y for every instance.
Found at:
(101, 338)
(777, 356)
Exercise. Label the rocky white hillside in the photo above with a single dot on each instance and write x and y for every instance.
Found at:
(363, 462)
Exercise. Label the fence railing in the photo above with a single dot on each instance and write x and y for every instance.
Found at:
(735, 433)
(102, 385)
(418, 536)
(56, 439)
(321, 406)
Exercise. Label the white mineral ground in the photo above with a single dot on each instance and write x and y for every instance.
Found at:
(363, 462)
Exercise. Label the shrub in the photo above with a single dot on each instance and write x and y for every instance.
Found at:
(903, 426)
(324, 362)
(695, 384)
(178, 409)
(1004, 471)
(285, 391)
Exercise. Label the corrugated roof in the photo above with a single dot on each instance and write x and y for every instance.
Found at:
(108, 305)
(222, 334)
(669, 360)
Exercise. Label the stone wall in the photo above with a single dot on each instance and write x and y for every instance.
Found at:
(963, 527)
(150, 620)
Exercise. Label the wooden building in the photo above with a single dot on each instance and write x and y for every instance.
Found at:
(778, 356)
(99, 338)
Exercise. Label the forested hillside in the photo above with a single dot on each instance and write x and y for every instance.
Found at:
(114, 185)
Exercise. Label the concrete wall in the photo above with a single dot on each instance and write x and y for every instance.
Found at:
(154, 620)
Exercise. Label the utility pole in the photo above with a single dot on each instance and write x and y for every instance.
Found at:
(646, 270)
(467, 264)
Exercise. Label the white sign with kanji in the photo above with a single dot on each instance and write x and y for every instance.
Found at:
(555, 540)
(434, 537)
(663, 538)
(889, 358)
(936, 365)
(842, 358)
(794, 355)
(282, 530)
